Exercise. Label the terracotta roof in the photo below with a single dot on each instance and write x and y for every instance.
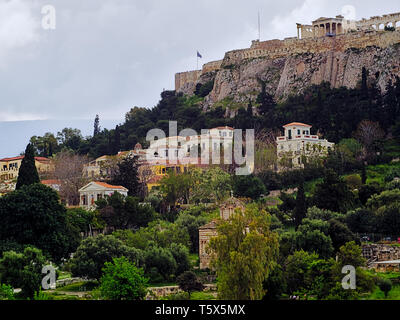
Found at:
(106, 185)
(51, 181)
(211, 225)
(226, 127)
(21, 157)
(297, 124)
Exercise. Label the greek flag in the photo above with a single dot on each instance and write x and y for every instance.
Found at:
(199, 55)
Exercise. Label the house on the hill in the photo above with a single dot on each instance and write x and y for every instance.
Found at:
(9, 167)
(96, 190)
(297, 145)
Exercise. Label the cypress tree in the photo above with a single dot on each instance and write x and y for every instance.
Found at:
(27, 172)
(301, 206)
(363, 174)
(96, 130)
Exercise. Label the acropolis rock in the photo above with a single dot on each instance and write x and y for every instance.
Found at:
(330, 49)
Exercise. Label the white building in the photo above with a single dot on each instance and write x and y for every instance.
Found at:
(181, 147)
(96, 190)
(298, 143)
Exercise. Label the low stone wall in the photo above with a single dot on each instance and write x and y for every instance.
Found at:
(167, 290)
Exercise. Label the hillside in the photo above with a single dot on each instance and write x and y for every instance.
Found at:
(290, 66)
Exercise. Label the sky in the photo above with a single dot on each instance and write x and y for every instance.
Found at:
(107, 56)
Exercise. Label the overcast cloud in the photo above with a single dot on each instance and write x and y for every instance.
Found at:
(106, 56)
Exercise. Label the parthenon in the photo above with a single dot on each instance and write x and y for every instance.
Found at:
(339, 25)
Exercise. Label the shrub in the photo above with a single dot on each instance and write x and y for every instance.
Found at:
(6, 292)
(93, 252)
(188, 282)
(353, 181)
(122, 280)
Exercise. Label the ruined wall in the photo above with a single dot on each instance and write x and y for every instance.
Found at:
(185, 78)
(274, 49)
(291, 65)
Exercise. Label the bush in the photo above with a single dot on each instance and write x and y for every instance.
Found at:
(23, 270)
(353, 181)
(203, 90)
(91, 255)
(188, 282)
(385, 285)
(122, 280)
(162, 260)
(6, 292)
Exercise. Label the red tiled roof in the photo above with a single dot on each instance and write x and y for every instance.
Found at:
(21, 157)
(297, 124)
(226, 127)
(106, 185)
(51, 181)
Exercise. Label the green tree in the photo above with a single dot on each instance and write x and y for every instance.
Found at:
(121, 212)
(301, 205)
(333, 194)
(189, 283)
(34, 215)
(27, 173)
(159, 262)
(385, 285)
(340, 233)
(245, 253)
(23, 270)
(248, 186)
(297, 268)
(362, 220)
(192, 225)
(175, 188)
(89, 258)
(122, 280)
(126, 175)
(351, 254)
(96, 129)
(6, 292)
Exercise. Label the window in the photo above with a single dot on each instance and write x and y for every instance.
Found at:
(298, 131)
(230, 134)
(179, 143)
(166, 153)
(83, 199)
(176, 153)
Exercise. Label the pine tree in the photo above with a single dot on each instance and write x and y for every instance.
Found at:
(301, 206)
(27, 172)
(96, 125)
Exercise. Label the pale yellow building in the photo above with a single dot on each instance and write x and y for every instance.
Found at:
(9, 167)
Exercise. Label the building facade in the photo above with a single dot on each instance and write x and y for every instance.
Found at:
(340, 25)
(208, 231)
(298, 144)
(96, 190)
(9, 167)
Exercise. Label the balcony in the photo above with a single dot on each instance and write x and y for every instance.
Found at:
(297, 137)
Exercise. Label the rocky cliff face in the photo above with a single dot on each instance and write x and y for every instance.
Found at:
(240, 80)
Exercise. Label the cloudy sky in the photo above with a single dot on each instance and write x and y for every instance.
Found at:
(106, 56)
